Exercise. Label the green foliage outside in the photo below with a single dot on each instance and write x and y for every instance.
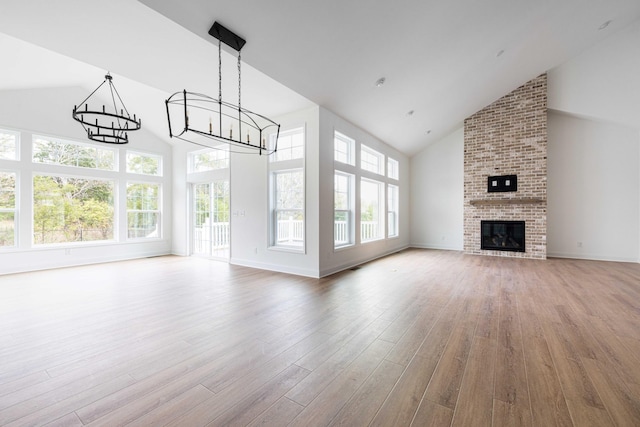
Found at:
(71, 209)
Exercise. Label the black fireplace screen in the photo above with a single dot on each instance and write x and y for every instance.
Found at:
(502, 235)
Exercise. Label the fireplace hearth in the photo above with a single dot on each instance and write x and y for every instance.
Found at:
(502, 236)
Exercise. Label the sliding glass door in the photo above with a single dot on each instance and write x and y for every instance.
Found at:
(211, 226)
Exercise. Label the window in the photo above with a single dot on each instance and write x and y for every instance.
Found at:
(8, 145)
(69, 209)
(286, 169)
(144, 164)
(343, 209)
(289, 209)
(393, 170)
(8, 211)
(371, 208)
(64, 153)
(290, 145)
(392, 210)
(210, 159)
(143, 210)
(343, 149)
(371, 160)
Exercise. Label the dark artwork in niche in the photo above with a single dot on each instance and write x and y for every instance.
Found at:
(500, 184)
(502, 236)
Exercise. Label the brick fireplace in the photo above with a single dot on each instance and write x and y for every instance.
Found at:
(509, 137)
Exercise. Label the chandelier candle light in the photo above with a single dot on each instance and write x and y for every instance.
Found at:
(198, 118)
(106, 125)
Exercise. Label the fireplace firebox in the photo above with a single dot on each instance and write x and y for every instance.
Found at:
(502, 236)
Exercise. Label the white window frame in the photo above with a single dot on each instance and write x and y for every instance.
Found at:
(393, 201)
(380, 228)
(114, 224)
(349, 213)
(286, 166)
(222, 156)
(366, 162)
(114, 152)
(348, 154)
(157, 212)
(393, 168)
(157, 157)
(14, 210)
(16, 147)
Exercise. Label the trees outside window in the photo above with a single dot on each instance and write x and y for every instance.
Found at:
(144, 164)
(8, 209)
(72, 209)
(8, 145)
(66, 153)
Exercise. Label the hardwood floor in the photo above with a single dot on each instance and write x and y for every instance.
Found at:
(418, 338)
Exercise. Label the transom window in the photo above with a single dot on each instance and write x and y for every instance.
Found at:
(209, 159)
(393, 169)
(290, 145)
(144, 164)
(9, 145)
(343, 149)
(66, 153)
(371, 160)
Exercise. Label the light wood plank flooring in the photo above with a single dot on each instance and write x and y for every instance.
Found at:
(418, 338)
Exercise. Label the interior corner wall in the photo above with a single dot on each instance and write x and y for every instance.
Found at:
(333, 260)
(593, 189)
(437, 194)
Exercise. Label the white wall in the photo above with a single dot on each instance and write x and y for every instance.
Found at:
(250, 206)
(47, 111)
(593, 189)
(603, 82)
(437, 194)
(333, 260)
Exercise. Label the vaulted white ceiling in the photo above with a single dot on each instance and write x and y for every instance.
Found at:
(444, 60)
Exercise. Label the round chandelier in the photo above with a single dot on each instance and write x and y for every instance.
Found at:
(110, 125)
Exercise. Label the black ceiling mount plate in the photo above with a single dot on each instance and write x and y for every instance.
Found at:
(227, 36)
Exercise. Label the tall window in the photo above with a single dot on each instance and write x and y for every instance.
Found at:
(371, 160)
(344, 149)
(209, 159)
(286, 169)
(8, 209)
(289, 209)
(65, 153)
(144, 164)
(143, 210)
(9, 145)
(371, 210)
(72, 209)
(392, 210)
(343, 209)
